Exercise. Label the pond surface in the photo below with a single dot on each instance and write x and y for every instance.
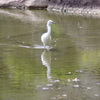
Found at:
(69, 71)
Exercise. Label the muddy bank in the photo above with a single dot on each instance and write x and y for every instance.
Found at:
(23, 4)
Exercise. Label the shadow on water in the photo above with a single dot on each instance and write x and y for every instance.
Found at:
(68, 71)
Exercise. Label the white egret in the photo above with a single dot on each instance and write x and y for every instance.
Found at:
(46, 37)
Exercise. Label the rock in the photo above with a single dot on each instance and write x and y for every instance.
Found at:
(36, 3)
(12, 3)
(63, 4)
(23, 3)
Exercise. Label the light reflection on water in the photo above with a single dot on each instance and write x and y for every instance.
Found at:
(71, 70)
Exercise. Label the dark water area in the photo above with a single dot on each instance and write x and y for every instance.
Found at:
(69, 71)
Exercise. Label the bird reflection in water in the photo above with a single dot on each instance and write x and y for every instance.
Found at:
(46, 61)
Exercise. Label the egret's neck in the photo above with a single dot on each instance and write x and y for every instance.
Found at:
(48, 29)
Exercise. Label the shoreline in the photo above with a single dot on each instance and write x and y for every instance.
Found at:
(71, 7)
(94, 12)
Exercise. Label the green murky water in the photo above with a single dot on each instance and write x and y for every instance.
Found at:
(70, 71)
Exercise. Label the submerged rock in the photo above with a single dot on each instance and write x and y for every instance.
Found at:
(23, 3)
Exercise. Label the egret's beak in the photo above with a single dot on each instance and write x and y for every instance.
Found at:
(53, 22)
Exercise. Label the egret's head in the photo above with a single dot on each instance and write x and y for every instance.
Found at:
(50, 22)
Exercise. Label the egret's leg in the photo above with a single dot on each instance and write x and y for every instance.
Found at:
(44, 45)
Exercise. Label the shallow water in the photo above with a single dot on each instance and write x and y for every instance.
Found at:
(69, 71)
